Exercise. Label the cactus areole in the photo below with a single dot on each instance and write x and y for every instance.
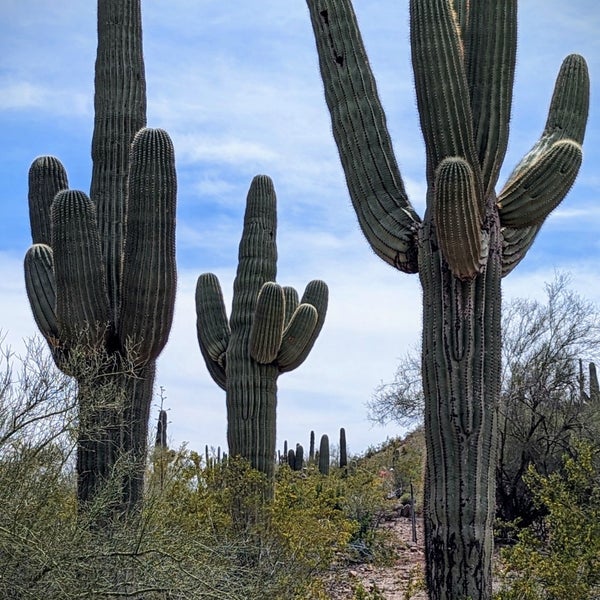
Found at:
(270, 331)
(463, 56)
(100, 275)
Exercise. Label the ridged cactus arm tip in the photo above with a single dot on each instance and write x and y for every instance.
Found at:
(457, 214)
(376, 189)
(212, 325)
(47, 177)
(149, 270)
(291, 301)
(490, 57)
(267, 324)
(78, 269)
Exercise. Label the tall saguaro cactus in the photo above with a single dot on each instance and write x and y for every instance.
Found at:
(100, 275)
(463, 56)
(270, 331)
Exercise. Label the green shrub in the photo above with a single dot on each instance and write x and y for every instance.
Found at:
(561, 558)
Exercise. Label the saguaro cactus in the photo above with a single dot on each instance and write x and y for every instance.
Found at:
(324, 455)
(100, 275)
(270, 331)
(463, 56)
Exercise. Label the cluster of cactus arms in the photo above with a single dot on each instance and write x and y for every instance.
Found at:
(100, 275)
(270, 331)
(463, 56)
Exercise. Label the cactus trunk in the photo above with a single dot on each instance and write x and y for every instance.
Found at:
(461, 379)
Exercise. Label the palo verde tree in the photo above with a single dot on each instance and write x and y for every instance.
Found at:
(270, 331)
(463, 56)
(100, 274)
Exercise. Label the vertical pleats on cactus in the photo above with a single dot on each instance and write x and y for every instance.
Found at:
(101, 274)
(269, 332)
(463, 57)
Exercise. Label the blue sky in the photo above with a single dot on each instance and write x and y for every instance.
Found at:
(237, 86)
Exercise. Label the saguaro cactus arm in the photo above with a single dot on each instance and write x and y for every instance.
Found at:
(47, 177)
(212, 325)
(267, 324)
(149, 271)
(544, 176)
(384, 212)
(81, 296)
(41, 289)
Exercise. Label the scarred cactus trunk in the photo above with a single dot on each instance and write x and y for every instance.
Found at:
(463, 56)
(270, 331)
(101, 275)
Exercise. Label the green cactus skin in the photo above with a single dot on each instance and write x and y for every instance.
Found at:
(311, 447)
(270, 331)
(100, 275)
(299, 458)
(324, 455)
(343, 449)
(161, 431)
(463, 56)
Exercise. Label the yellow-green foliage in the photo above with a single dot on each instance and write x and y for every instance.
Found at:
(560, 560)
(308, 517)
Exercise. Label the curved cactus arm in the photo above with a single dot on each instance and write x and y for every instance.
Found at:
(544, 176)
(317, 295)
(489, 36)
(41, 289)
(384, 212)
(211, 321)
(47, 177)
(291, 301)
(81, 297)
(216, 370)
(149, 276)
(441, 85)
(457, 217)
(529, 198)
(267, 324)
(515, 244)
(298, 338)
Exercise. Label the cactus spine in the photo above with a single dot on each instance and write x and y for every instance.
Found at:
(100, 275)
(270, 331)
(463, 56)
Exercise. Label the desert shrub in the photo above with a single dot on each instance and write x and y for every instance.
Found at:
(560, 558)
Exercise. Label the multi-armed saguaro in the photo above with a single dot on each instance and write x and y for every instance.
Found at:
(270, 331)
(100, 275)
(463, 56)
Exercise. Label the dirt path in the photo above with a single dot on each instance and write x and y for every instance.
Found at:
(396, 581)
